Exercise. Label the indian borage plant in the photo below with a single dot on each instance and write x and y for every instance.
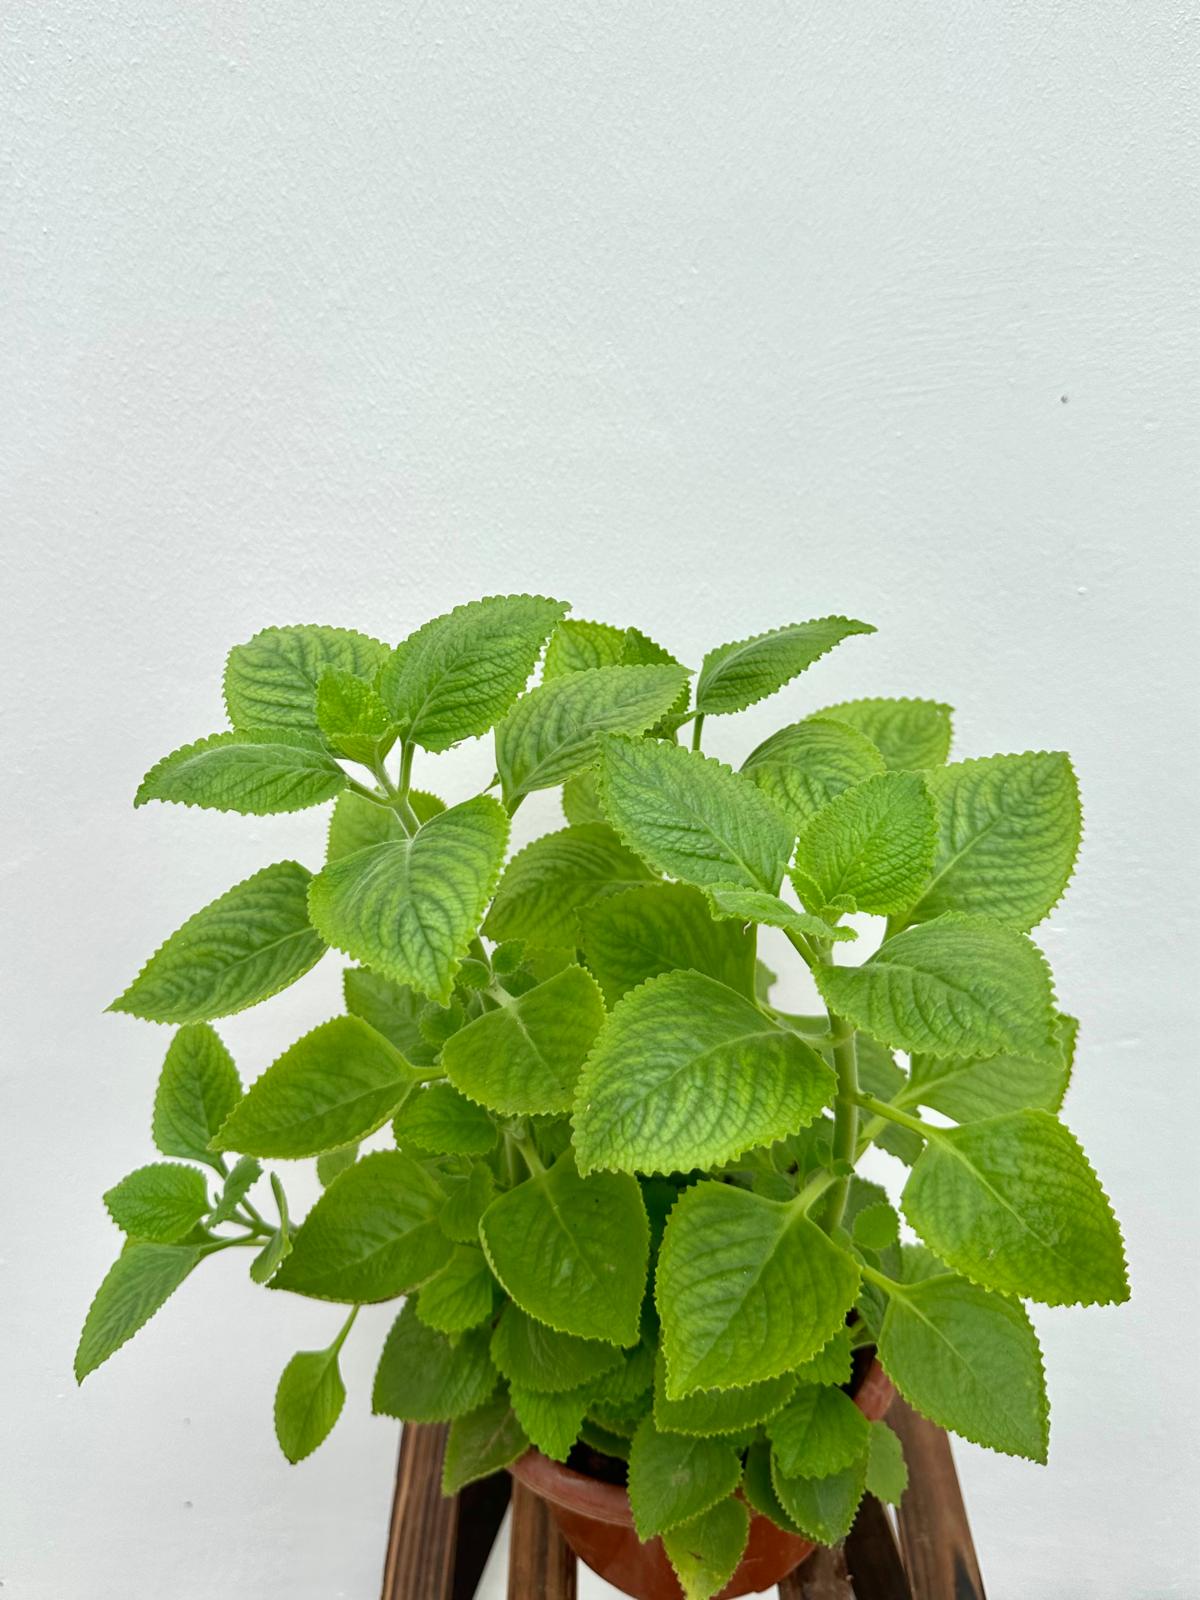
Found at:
(620, 1192)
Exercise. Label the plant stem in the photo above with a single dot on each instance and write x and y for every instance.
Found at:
(881, 1108)
(697, 727)
(337, 1344)
(407, 751)
(845, 1115)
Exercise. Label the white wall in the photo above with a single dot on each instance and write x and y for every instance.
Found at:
(703, 316)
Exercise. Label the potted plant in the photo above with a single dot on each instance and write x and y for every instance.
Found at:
(615, 1183)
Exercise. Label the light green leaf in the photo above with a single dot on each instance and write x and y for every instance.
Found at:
(372, 1235)
(662, 927)
(831, 1364)
(1013, 1204)
(525, 1058)
(308, 1401)
(691, 817)
(197, 1089)
(803, 766)
(969, 1361)
(746, 1289)
(438, 1119)
(533, 1356)
(246, 1172)
(711, 1411)
(483, 1442)
(467, 1198)
(357, 822)
(820, 1432)
(876, 1227)
(632, 1381)
(254, 773)
(824, 1508)
(553, 732)
(968, 1089)
(247, 945)
(139, 1281)
(687, 1073)
(352, 717)
(705, 1551)
(756, 905)
(392, 1009)
(759, 1489)
(410, 908)
(1008, 834)
(160, 1202)
(332, 1163)
(573, 1251)
(552, 1421)
(909, 734)
(461, 1295)
(425, 1376)
(581, 799)
(674, 1477)
(334, 1086)
(873, 842)
(271, 682)
(956, 986)
(887, 1475)
(546, 885)
(579, 646)
(279, 1246)
(734, 676)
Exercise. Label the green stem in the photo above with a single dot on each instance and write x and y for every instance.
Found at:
(407, 751)
(845, 1115)
(697, 728)
(881, 1108)
(337, 1344)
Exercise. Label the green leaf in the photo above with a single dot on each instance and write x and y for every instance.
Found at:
(272, 1255)
(372, 1235)
(525, 1058)
(820, 1432)
(546, 885)
(553, 732)
(956, 986)
(873, 842)
(691, 817)
(254, 773)
(631, 1382)
(352, 717)
(308, 1401)
(687, 1073)
(581, 799)
(160, 1202)
(824, 1508)
(483, 1442)
(533, 1356)
(579, 646)
(247, 945)
(573, 1251)
(357, 822)
(831, 1364)
(756, 905)
(746, 1289)
(887, 1475)
(392, 1009)
(709, 1411)
(876, 1227)
(909, 734)
(440, 1120)
(968, 1089)
(425, 1376)
(467, 1198)
(734, 676)
(139, 1281)
(332, 1163)
(461, 1295)
(410, 908)
(662, 927)
(1008, 834)
(197, 1089)
(334, 1086)
(802, 767)
(969, 1361)
(552, 1421)
(1013, 1204)
(247, 1170)
(271, 682)
(674, 1477)
(705, 1551)
(759, 1490)
(453, 677)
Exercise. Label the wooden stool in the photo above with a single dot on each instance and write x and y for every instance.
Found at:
(438, 1548)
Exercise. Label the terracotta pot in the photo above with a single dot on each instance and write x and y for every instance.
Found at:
(596, 1522)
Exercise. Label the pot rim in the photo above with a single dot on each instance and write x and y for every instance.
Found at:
(609, 1502)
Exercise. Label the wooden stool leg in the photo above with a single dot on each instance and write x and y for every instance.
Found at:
(822, 1577)
(541, 1565)
(420, 1552)
(934, 1533)
(872, 1558)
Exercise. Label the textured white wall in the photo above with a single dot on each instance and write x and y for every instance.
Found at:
(706, 317)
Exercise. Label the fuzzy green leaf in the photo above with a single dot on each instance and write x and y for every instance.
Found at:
(160, 1202)
(1008, 834)
(246, 1172)
(873, 842)
(525, 1058)
(438, 1119)
(956, 986)
(308, 1401)
(687, 1073)
(673, 1477)
(552, 1421)
(425, 1376)
(734, 676)
(831, 1364)
(461, 1295)
(357, 822)
(691, 817)
(467, 1198)
(802, 767)
(392, 1009)
(969, 1361)
(909, 734)
(553, 732)
(533, 1356)
(709, 1411)
(545, 886)
(662, 927)
(457, 674)
(820, 1432)
(334, 1086)
(705, 1551)
(1013, 1204)
(968, 1089)
(247, 945)
(746, 1289)
(825, 1507)
(410, 908)
(483, 1442)
(573, 1251)
(372, 1235)
(352, 717)
(271, 682)
(197, 1089)
(756, 905)
(580, 646)
(139, 1281)
(759, 1490)
(887, 1474)
(254, 773)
